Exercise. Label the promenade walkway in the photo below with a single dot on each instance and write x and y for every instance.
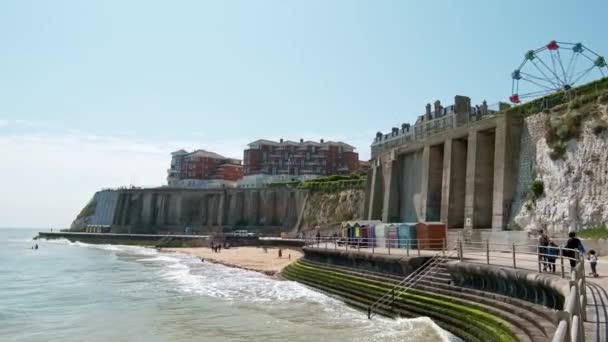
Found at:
(511, 256)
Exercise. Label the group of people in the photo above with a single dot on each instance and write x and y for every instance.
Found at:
(216, 248)
(549, 251)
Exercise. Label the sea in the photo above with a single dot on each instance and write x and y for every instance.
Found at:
(66, 291)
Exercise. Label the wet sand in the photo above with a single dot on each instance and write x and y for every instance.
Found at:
(249, 258)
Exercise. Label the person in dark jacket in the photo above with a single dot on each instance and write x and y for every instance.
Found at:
(573, 245)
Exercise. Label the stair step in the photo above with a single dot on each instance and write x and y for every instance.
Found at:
(522, 328)
(541, 317)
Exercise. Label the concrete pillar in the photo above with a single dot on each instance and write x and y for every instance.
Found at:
(446, 178)
(424, 189)
(479, 180)
(457, 182)
(390, 202)
(506, 149)
(221, 208)
(469, 197)
(410, 184)
(147, 208)
(373, 190)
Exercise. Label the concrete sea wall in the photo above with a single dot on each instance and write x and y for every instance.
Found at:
(390, 264)
(359, 279)
(162, 240)
(206, 211)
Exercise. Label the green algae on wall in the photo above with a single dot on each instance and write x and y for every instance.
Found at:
(469, 322)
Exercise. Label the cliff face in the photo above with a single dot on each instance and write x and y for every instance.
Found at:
(329, 209)
(566, 150)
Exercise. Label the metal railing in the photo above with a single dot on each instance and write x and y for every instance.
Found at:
(387, 246)
(532, 257)
(389, 298)
(570, 327)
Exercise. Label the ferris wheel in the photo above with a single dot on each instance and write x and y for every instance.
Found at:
(557, 66)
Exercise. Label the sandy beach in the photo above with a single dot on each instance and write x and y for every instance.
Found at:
(249, 258)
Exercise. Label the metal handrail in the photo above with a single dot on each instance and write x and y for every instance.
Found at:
(409, 281)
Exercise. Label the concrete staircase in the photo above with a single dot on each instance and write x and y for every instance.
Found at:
(433, 296)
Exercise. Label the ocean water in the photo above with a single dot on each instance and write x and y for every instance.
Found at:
(79, 292)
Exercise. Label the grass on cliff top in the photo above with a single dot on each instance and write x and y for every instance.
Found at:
(599, 232)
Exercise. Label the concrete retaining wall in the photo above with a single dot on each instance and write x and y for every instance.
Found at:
(537, 288)
(391, 264)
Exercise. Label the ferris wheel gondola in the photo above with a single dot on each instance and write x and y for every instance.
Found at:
(557, 66)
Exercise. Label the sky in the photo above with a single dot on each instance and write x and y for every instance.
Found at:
(96, 94)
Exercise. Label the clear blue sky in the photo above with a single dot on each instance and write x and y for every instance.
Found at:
(97, 93)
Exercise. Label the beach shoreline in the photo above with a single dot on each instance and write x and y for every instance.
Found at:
(255, 259)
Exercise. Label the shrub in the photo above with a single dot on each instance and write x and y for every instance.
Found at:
(515, 227)
(537, 188)
(558, 152)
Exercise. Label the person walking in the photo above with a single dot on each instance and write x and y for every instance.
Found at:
(552, 253)
(543, 242)
(572, 246)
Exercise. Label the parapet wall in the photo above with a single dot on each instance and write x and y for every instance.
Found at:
(390, 264)
(538, 288)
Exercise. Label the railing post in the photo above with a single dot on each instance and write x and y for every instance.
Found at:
(373, 245)
(584, 277)
(389, 246)
(561, 258)
(358, 244)
(488, 251)
(538, 258)
(407, 247)
(418, 247)
(565, 317)
(325, 243)
(460, 253)
(514, 263)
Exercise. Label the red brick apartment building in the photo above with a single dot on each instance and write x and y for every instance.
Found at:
(268, 161)
(203, 169)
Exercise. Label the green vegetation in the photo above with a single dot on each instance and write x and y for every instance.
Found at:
(290, 184)
(469, 321)
(598, 232)
(88, 210)
(514, 227)
(560, 129)
(537, 188)
(334, 183)
(592, 91)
